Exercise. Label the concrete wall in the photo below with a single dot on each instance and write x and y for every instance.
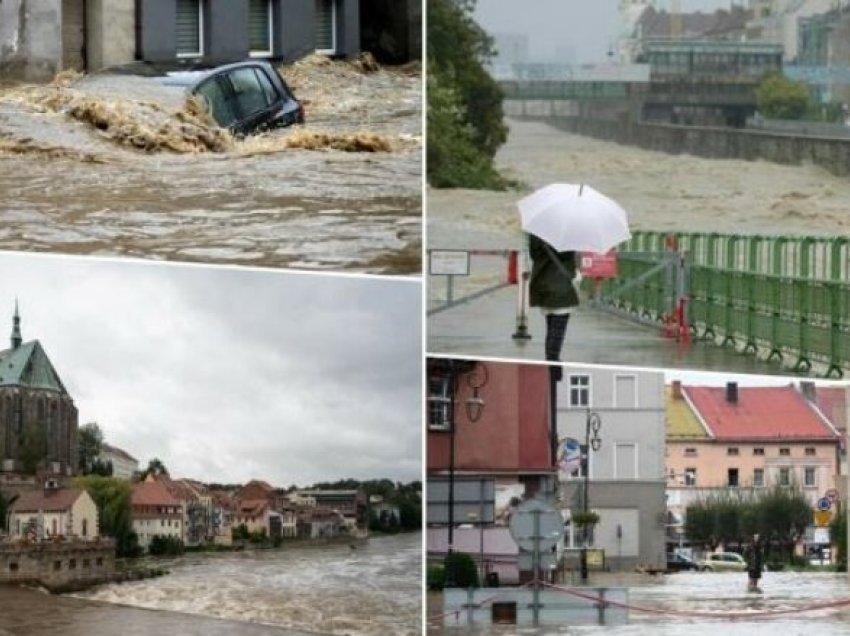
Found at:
(110, 33)
(225, 31)
(30, 39)
(158, 29)
(717, 143)
(294, 28)
(348, 27)
(57, 566)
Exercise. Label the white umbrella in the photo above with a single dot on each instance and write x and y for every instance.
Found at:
(574, 217)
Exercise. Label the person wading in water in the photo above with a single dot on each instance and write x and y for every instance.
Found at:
(754, 556)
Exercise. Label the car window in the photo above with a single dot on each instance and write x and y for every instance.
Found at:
(216, 102)
(250, 95)
(268, 87)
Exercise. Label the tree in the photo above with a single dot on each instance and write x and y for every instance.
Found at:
(778, 97)
(89, 445)
(155, 467)
(838, 533)
(112, 498)
(465, 118)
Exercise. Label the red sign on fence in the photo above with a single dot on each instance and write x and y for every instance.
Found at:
(600, 266)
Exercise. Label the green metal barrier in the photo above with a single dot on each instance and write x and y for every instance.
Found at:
(786, 296)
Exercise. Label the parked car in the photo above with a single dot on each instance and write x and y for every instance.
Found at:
(723, 562)
(248, 97)
(679, 563)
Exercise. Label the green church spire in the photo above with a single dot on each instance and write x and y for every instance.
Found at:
(16, 328)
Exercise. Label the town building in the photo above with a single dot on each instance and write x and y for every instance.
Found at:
(254, 514)
(38, 38)
(489, 446)
(350, 504)
(778, 22)
(124, 465)
(53, 513)
(320, 523)
(624, 468)
(38, 419)
(747, 438)
(155, 512)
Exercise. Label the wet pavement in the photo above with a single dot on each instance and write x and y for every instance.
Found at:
(483, 327)
(73, 179)
(720, 595)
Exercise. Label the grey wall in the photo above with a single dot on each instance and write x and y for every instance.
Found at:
(225, 31)
(30, 38)
(158, 24)
(726, 143)
(110, 33)
(294, 28)
(348, 25)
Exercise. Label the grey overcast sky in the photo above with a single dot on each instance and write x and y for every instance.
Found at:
(585, 28)
(229, 374)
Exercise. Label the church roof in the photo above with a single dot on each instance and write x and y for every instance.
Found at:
(57, 500)
(28, 366)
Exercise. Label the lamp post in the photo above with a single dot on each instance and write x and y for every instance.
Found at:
(592, 423)
(474, 407)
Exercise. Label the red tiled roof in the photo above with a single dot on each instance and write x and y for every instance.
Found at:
(832, 401)
(152, 493)
(55, 500)
(762, 413)
(252, 507)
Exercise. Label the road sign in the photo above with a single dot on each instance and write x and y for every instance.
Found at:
(600, 266)
(824, 503)
(449, 262)
(832, 495)
(822, 518)
(536, 524)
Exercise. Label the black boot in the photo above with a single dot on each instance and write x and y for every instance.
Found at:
(556, 331)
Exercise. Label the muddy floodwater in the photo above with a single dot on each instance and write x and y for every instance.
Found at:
(687, 596)
(373, 590)
(660, 191)
(109, 164)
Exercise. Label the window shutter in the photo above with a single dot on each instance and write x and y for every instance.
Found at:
(188, 27)
(258, 25)
(325, 25)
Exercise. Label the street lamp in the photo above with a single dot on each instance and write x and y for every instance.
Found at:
(477, 376)
(592, 423)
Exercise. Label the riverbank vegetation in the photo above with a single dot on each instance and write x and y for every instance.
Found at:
(465, 118)
(112, 498)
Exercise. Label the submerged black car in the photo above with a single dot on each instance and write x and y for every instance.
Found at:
(679, 563)
(248, 97)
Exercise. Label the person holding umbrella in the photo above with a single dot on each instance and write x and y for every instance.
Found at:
(551, 289)
(561, 220)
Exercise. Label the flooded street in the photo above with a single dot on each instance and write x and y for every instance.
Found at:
(333, 589)
(660, 191)
(722, 593)
(83, 171)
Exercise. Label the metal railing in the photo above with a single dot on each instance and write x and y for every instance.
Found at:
(787, 297)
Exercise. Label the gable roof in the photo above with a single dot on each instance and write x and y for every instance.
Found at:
(55, 500)
(118, 452)
(152, 493)
(653, 23)
(29, 366)
(832, 402)
(682, 422)
(761, 413)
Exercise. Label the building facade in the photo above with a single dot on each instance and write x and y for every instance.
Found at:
(625, 471)
(124, 465)
(155, 512)
(38, 419)
(54, 513)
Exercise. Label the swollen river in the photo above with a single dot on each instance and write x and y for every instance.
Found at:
(370, 590)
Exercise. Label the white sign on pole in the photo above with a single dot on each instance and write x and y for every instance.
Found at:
(449, 263)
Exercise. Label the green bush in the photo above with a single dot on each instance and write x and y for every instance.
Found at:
(436, 578)
(461, 567)
(162, 545)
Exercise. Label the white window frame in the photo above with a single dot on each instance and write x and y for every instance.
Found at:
(588, 388)
(334, 29)
(269, 52)
(634, 377)
(200, 52)
(637, 463)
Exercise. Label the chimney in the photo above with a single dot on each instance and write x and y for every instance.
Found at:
(732, 392)
(807, 388)
(677, 389)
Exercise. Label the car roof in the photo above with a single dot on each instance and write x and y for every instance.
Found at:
(191, 79)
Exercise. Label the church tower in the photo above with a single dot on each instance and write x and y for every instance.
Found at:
(38, 419)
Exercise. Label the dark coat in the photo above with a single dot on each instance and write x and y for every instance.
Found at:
(754, 556)
(548, 285)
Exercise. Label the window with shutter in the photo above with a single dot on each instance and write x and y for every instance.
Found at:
(326, 26)
(260, 27)
(189, 28)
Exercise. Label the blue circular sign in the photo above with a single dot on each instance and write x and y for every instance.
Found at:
(824, 503)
